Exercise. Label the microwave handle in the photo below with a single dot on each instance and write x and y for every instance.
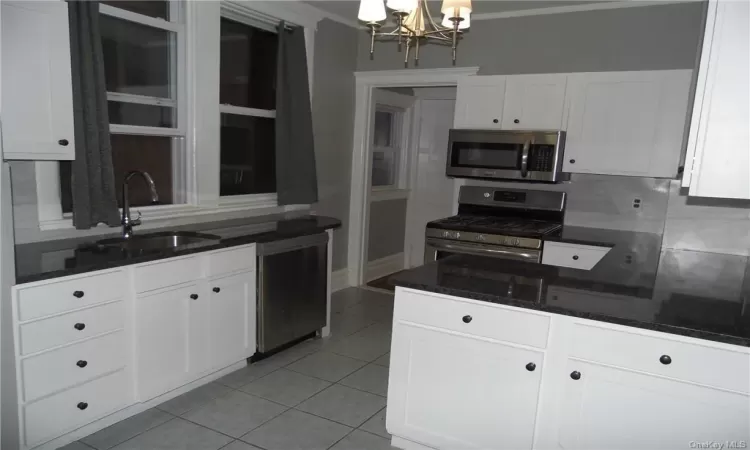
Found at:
(525, 159)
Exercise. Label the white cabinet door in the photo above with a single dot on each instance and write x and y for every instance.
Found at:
(609, 407)
(232, 318)
(718, 153)
(162, 327)
(452, 391)
(479, 102)
(534, 102)
(37, 101)
(199, 332)
(626, 123)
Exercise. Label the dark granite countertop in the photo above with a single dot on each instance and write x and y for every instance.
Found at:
(638, 284)
(59, 258)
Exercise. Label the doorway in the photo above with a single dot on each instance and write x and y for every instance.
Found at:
(404, 219)
(408, 185)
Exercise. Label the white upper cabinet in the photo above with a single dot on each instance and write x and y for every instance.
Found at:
(626, 123)
(718, 151)
(534, 102)
(37, 101)
(479, 102)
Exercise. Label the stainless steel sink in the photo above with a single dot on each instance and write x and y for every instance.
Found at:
(159, 241)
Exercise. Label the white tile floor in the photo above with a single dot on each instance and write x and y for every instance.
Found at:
(321, 394)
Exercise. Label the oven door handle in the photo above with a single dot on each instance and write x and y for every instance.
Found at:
(525, 158)
(532, 256)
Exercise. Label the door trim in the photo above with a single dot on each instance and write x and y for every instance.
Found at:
(365, 84)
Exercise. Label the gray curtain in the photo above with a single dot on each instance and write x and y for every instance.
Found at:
(296, 179)
(93, 179)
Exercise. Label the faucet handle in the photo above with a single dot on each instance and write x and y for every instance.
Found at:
(137, 221)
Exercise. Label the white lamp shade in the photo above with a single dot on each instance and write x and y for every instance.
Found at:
(450, 6)
(406, 6)
(371, 10)
(462, 25)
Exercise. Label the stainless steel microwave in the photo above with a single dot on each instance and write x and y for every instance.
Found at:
(506, 155)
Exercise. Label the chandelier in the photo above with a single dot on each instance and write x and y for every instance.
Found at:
(414, 24)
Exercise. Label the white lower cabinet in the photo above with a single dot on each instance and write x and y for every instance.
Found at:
(594, 385)
(94, 344)
(163, 324)
(232, 318)
(449, 390)
(611, 407)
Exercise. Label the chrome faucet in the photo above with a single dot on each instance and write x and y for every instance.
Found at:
(127, 222)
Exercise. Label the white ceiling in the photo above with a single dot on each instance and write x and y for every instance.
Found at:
(349, 8)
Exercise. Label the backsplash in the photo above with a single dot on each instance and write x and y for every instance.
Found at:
(653, 206)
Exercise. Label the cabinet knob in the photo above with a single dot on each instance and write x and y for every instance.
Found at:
(79, 326)
(63, 142)
(194, 296)
(665, 359)
(572, 161)
(217, 289)
(466, 319)
(82, 405)
(516, 121)
(495, 121)
(82, 363)
(530, 367)
(78, 294)
(576, 375)
(575, 257)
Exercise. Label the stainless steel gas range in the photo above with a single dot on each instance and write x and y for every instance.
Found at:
(501, 223)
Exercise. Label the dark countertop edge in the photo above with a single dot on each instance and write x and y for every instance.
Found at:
(688, 332)
(267, 236)
(566, 240)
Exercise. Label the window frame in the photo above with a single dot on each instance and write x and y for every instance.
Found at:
(396, 148)
(201, 197)
(226, 108)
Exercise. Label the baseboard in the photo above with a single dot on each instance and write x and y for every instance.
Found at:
(384, 266)
(339, 279)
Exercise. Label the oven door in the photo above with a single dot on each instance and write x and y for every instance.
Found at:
(435, 249)
(512, 155)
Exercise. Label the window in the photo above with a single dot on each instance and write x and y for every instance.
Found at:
(141, 73)
(386, 151)
(247, 94)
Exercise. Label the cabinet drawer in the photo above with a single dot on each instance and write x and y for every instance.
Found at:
(234, 260)
(576, 256)
(167, 273)
(72, 365)
(697, 363)
(471, 318)
(61, 296)
(60, 413)
(60, 330)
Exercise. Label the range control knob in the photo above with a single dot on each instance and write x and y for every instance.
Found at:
(481, 237)
(486, 195)
(457, 235)
(446, 234)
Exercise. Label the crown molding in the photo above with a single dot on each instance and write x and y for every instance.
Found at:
(599, 6)
(577, 8)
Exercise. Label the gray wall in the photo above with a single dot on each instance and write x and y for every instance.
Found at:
(645, 38)
(387, 228)
(333, 125)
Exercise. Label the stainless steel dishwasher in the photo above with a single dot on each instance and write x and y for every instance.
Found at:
(292, 286)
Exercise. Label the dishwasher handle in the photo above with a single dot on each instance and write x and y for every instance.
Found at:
(288, 245)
